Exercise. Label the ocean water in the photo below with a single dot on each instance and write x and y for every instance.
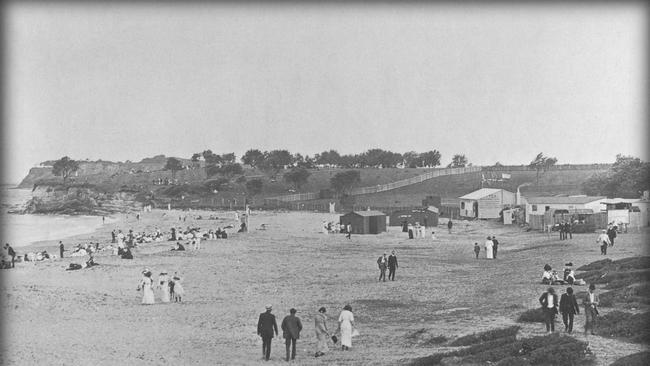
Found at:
(22, 230)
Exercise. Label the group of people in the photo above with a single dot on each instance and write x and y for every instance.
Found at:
(292, 326)
(329, 227)
(491, 247)
(551, 277)
(567, 305)
(415, 231)
(169, 288)
(566, 229)
(389, 263)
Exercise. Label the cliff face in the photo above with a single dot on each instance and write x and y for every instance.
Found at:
(76, 200)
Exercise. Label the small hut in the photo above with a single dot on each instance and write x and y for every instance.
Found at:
(365, 222)
(427, 216)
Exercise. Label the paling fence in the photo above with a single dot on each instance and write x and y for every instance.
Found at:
(281, 201)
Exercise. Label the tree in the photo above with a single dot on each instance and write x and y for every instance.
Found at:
(275, 160)
(226, 170)
(331, 158)
(430, 158)
(174, 165)
(458, 161)
(297, 177)
(254, 186)
(64, 167)
(228, 158)
(219, 184)
(541, 163)
(253, 157)
(342, 182)
(627, 178)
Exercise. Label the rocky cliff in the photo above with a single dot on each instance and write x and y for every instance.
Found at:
(80, 199)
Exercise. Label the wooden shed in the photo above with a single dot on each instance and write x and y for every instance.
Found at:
(486, 203)
(427, 216)
(365, 222)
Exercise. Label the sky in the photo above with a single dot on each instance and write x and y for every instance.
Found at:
(495, 82)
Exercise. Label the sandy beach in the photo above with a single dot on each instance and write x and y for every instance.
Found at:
(93, 316)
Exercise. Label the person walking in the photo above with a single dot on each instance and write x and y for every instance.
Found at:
(146, 285)
(549, 303)
(163, 286)
(392, 265)
(561, 229)
(495, 246)
(348, 228)
(449, 225)
(568, 308)
(322, 334)
(603, 240)
(291, 327)
(61, 249)
(477, 249)
(611, 234)
(489, 246)
(382, 262)
(346, 324)
(266, 325)
(590, 303)
(568, 229)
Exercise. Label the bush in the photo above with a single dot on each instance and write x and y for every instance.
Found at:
(513, 361)
(636, 359)
(511, 349)
(531, 316)
(485, 336)
(435, 340)
(618, 324)
(595, 266)
(570, 352)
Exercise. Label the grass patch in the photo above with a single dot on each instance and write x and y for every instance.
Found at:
(435, 340)
(485, 336)
(531, 316)
(636, 359)
(632, 327)
(629, 296)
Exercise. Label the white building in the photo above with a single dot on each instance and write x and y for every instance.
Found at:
(539, 205)
(486, 203)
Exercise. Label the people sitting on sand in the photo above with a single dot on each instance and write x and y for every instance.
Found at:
(127, 254)
(550, 277)
(179, 247)
(242, 228)
(569, 273)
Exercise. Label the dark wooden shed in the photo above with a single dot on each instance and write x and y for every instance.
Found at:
(427, 216)
(365, 222)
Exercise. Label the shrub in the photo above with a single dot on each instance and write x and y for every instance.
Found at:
(513, 361)
(636, 359)
(618, 324)
(510, 349)
(485, 336)
(490, 345)
(531, 316)
(435, 340)
(570, 352)
(595, 266)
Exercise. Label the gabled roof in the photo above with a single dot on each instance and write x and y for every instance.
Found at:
(564, 200)
(481, 193)
(367, 213)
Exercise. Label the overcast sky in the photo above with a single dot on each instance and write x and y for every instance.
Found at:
(494, 82)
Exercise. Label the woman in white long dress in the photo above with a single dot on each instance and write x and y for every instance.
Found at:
(346, 324)
(147, 288)
(163, 286)
(489, 245)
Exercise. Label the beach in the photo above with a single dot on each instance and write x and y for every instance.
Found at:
(93, 316)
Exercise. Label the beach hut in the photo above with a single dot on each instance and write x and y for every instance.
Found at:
(426, 216)
(539, 206)
(486, 203)
(365, 222)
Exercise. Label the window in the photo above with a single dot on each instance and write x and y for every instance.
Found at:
(534, 207)
(546, 208)
(462, 205)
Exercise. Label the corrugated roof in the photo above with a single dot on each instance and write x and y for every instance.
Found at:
(567, 200)
(368, 213)
(481, 193)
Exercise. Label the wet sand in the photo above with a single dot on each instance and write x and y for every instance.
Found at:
(93, 316)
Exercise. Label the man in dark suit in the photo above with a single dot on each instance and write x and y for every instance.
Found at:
(495, 246)
(591, 302)
(291, 327)
(382, 262)
(549, 303)
(266, 325)
(568, 308)
(392, 265)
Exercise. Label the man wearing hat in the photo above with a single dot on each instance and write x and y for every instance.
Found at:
(392, 265)
(382, 262)
(266, 325)
(291, 327)
(495, 246)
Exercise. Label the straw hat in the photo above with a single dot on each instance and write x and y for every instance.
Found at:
(269, 307)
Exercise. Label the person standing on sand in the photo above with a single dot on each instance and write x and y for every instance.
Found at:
(488, 248)
(163, 286)
(449, 225)
(61, 249)
(146, 285)
(591, 302)
(291, 327)
(392, 265)
(549, 303)
(611, 234)
(495, 246)
(568, 307)
(11, 253)
(477, 249)
(322, 334)
(346, 324)
(603, 240)
(266, 325)
(382, 262)
(349, 230)
(178, 288)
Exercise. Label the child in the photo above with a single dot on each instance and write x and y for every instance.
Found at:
(177, 288)
(477, 249)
